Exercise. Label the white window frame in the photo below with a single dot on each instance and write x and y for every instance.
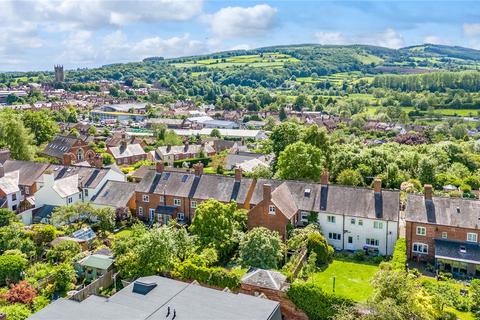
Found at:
(27, 190)
(334, 236)
(180, 216)
(304, 216)
(377, 224)
(272, 209)
(146, 198)
(151, 213)
(177, 202)
(69, 200)
(331, 219)
(85, 192)
(472, 237)
(140, 211)
(353, 221)
(444, 235)
(372, 242)
(421, 233)
(193, 204)
(360, 222)
(162, 199)
(417, 246)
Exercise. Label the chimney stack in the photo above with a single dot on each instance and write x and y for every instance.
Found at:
(198, 169)
(159, 167)
(67, 159)
(238, 174)
(267, 192)
(428, 189)
(377, 185)
(324, 178)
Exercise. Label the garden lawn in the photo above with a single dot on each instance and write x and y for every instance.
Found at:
(123, 233)
(352, 279)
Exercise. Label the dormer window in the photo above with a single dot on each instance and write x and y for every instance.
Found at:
(271, 209)
(307, 193)
(463, 249)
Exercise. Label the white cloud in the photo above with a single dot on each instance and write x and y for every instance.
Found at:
(471, 29)
(234, 22)
(435, 40)
(242, 46)
(389, 38)
(78, 48)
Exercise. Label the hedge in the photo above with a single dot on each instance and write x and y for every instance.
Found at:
(399, 259)
(314, 301)
(215, 276)
(11, 267)
(192, 161)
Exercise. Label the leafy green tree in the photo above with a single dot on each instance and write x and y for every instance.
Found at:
(64, 277)
(104, 218)
(302, 101)
(63, 251)
(300, 161)
(11, 268)
(218, 226)
(260, 172)
(15, 136)
(426, 171)
(6, 217)
(282, 115)
(16, 311)
(318, 245)
(261, 248)
(283, 135)
(318, 137)
(475, 288)
(458, 131)
(350, 177)
(41, 124)
(215, 133)
(14, 237)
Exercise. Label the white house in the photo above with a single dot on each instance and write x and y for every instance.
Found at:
(58, 192)
(10, 194)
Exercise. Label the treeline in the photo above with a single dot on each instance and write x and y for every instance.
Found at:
(433, 82)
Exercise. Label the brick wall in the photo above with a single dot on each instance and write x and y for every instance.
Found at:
(433, 232)
(259, 217)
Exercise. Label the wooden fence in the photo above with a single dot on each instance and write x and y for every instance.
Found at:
(103, 282)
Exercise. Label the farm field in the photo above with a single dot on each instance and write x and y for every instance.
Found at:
(352, 279)
(258, 60)
(337, 78)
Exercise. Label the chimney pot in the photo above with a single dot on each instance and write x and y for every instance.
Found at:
(238, 174)
(159, 167)
(198, 167)
(324, 178)
(377, 185)
(267, 191)
(428, 189)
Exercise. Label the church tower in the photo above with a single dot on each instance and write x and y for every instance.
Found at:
(59, 75)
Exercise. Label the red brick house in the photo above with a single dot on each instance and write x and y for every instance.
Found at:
(444, 231)
(69, 150)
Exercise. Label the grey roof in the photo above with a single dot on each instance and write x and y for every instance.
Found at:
(234, 159)
(59, 145)
(169, 182)
(29, 170)
(115, 194)
(183, 149)
(123, 107)
(222, 188)
(361, 202)
(9, 182)
(446, 211)
(88, 177)
(457, 250)
(131, 150)
(141, 172)
(189, 301)
(258, 191)
(262, 278)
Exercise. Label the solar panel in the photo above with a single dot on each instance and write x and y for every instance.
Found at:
(184, 178)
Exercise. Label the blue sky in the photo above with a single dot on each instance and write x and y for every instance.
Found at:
(36, 34)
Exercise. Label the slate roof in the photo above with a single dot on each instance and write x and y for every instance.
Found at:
(191, 148)
(234, 159)
(283, 199)
(169, 182)
(29, 170)
(189, 301)
(59, 145)
(457, 250)
(222, 188)
(88, 177)
(66, 186)
(130, 151)
(141, 172)
(115, 194)
(445, 211)
(262, 278)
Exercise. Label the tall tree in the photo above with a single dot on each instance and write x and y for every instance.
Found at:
(261, 248)
(300, 161)
(15, 136)
(284, 134)
(41, 124)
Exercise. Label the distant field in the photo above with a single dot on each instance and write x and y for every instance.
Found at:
(337, 78)
(257, 60)
(443, 112)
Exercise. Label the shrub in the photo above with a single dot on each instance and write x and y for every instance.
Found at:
(43, 233)
(11, 267)
(16, 311)
(261, 248)
(359, 255)
(22, 292)
(314, 301)
(399, 259)
(217, 277)
(318, 244)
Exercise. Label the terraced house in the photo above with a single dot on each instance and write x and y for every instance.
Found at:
(444, 231)
(351, 218)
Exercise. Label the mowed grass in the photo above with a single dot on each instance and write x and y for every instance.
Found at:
(123, 233)
(264, 60)
(352, 280)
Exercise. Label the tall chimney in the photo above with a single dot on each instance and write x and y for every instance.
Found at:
(377, 185)
(428, 189)
(324, 178)
(159, 167)
(198, 169)
(238, 174)
(267, 192)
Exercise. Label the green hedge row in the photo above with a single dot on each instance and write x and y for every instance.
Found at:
(215, 276)
(399, 259)
(314, 301)
(191, 162)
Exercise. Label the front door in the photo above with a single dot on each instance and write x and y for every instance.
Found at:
(349, 245)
